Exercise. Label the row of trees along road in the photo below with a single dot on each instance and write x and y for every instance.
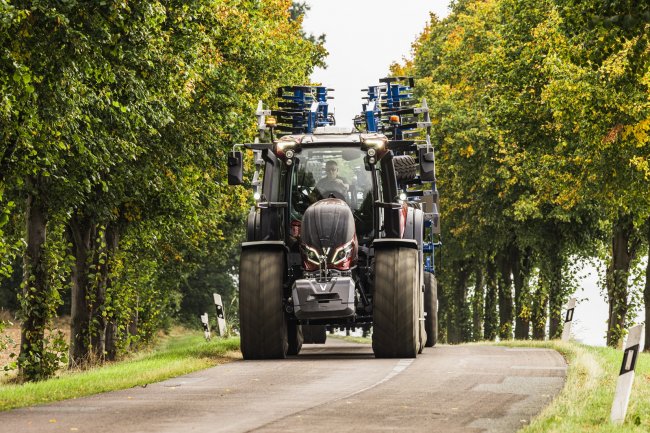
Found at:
(542, 117)
(115, 120)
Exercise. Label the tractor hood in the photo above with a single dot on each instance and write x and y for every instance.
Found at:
(328, 233)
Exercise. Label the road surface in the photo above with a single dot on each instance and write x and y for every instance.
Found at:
(335, 387)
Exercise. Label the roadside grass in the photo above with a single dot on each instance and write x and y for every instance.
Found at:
(585, 402)
(173, 356)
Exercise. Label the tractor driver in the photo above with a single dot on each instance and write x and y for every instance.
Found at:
(332, 183)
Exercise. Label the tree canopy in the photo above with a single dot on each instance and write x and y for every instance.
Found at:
(541, 112)
(116, 119)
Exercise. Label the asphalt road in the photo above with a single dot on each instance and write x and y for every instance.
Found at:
(337, 387)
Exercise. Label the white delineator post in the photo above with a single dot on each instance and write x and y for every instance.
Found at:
(633, 346)
(568, 319)
(221, 315)
(206, 325)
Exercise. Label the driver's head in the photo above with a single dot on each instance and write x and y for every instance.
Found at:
(331, 169)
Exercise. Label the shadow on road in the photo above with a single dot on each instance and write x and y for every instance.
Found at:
(334, 351)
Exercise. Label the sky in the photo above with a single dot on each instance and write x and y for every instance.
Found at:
(363, 38)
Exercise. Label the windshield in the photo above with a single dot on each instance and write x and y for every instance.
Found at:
(337, 172)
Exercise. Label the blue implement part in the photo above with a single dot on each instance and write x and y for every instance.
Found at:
(428, 266)
(302, 109)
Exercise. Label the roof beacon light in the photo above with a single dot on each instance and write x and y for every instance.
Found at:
(394, 120)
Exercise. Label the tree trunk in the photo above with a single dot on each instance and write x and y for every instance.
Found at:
(459, 326)
(556, 296)
(35, 312)
(541, 297)
(98, 317)
(540, 309)
(134, 323)
(7, 154)
(83, 233)
(505, 297)
(112, 244)
(623, 252)
(491, 319)
(478, 299)
(646, 291)
(521, 267)
(443, 313)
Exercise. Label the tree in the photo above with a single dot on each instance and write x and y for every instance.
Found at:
(123, 114)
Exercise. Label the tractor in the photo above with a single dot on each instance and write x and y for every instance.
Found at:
(344, 227)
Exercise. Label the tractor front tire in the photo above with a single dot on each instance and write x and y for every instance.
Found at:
(431, 308)
(295, 336)
(396, 304)
(263, 324)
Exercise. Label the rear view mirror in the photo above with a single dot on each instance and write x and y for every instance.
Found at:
(235, 168)
(427, 165)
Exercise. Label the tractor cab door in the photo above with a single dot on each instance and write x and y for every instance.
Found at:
(266, 222)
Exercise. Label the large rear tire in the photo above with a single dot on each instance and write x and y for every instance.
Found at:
(314, 334)
(263, 325)
(396, 304)
(431, 308)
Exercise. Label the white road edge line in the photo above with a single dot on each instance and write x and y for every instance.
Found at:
(401, 365)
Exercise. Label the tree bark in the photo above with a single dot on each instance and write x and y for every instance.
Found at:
(540, 309)
(443, 313)
(521, 267)
(83, 232)
(134, 323)
(34, 312)
(556, 297)
(112, 243)
(98, 317)
(491, 319)
(7, 154)
(459, 326)
(646, 291)
(505, 297)
(478, 299)
(623, 252)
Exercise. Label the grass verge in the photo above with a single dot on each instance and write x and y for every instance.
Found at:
(585, 402)
(174, 356)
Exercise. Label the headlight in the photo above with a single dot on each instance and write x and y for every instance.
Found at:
(374, 141)
(342, 253)
(311, 254)
(285, 143)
